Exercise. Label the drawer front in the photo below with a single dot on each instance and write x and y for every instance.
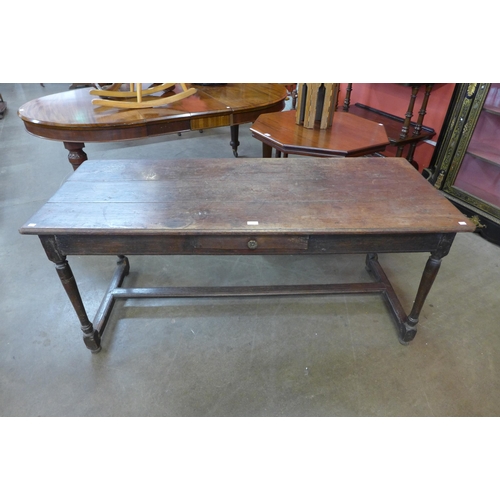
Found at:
(177, 244)
(250, 243)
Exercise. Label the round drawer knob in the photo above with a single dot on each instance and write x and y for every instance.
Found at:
(252, 244)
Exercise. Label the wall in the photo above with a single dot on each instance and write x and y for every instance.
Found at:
(393, 98)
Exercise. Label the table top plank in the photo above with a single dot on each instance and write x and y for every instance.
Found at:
(285, 196)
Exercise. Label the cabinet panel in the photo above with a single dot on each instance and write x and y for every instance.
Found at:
(485, 141)
(492, 102)
(467, 160)
(480, 179)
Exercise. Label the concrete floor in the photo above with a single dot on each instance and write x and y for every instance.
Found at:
(296, 356)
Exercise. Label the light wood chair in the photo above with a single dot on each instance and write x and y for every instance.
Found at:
(144, 98)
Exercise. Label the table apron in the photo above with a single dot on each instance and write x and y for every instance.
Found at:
(240, 117)
(246, 244)
(110, 134)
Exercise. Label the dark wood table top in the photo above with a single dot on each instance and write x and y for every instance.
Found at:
(331, 196)
(349, 135)
(71, 117)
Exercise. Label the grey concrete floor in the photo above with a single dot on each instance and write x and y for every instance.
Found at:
(295, 356)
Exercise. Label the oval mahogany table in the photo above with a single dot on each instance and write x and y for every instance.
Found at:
(70, 117)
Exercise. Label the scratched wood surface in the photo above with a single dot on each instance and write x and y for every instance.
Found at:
(245, 196)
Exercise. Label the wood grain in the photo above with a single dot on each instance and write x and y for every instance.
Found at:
(349, 135)
(285, 196)
(71, 116)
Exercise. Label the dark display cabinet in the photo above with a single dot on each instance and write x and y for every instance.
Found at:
(466, 163)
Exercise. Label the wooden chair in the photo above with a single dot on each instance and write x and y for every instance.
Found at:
(144, 98)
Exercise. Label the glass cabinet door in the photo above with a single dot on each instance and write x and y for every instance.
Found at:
(475, 177)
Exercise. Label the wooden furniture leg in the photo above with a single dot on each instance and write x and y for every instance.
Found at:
(76, 155)
(407, 122)
(347, 99)
(408, 324)
(235, 130)
(91, 337)
(92, 331)
(103, 313)
(267, 151)
(3, 107)
(429, 275)
(418, 125)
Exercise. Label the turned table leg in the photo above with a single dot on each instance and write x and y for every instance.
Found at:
(405, 129)
(235, 130)
(419, 124)
(76, 155)
(90, 335)
(409, 326)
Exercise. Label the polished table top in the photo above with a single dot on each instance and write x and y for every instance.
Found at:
(349, 135)
(70, 117)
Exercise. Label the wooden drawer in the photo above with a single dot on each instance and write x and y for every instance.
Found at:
(95, 244)
(228, 243)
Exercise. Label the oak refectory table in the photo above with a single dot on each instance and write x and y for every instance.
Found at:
(71, 118)
(246, 207)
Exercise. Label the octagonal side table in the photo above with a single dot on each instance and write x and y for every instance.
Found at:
(349, 135)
